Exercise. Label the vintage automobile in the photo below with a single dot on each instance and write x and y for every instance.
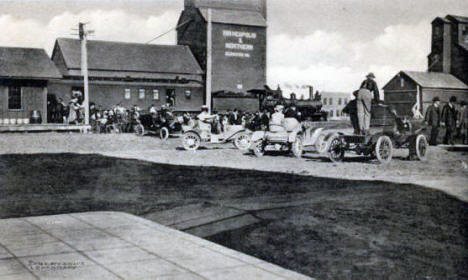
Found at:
(148, 124)
(389, 130)
(201, 132)
(293, 137)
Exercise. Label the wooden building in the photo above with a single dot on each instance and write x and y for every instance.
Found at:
(25, 74)
(449, 48)
(408, 89)
(239, 41)
(130, 74)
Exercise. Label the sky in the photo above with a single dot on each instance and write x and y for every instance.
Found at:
(330, 45)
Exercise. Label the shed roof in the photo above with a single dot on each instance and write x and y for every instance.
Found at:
(26, 63)
(435, 80)
(130, 57)
(457, 18)
(238, 17)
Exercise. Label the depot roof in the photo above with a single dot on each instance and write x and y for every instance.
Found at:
(26, 63)
(128, 57)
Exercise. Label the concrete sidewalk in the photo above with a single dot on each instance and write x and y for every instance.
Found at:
(112, 245)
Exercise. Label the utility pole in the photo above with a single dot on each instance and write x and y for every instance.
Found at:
(209, 61)
(83, 32)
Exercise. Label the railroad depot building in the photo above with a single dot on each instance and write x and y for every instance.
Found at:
(130, 74)
(447, 73)
(239, 41)
(25, 74)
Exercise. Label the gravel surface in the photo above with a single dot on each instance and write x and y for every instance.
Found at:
(446, 171)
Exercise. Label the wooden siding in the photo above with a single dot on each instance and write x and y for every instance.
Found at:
(33, 98)
(109, 95)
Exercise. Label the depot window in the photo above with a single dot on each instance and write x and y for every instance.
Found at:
(339, 101)
(128, 93)
(324, 101)
(330, 101)
(188, 94)
(141, 93)
(14, 98)
(155, 94)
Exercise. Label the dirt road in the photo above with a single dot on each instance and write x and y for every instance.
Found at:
(446, 171)
(337, 225)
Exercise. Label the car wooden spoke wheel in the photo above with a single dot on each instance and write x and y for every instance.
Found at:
(139, 130)
(298, 147)
(242, 141)
(384, 149)
(258, 148)
(335, 150)
(191, 141)
(421, 147)
(164, 133)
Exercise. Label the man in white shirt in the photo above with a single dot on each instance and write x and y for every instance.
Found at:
(276, 120)
(204, 121)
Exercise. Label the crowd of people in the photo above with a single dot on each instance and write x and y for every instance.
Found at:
(452, 116)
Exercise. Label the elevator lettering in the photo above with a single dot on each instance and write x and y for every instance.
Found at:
(237, 45)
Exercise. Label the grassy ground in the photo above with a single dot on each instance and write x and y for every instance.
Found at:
(336, 229)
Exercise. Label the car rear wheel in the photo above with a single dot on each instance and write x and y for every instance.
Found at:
(139, 130)
(242, 141)
(321, 144)
(335, 149)
(298, 147)
(258, 148)
(421, 147)
(384, 149)
(164, 133)
(191, 141)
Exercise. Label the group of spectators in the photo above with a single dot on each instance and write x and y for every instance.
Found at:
(452, 116)
(259, 120)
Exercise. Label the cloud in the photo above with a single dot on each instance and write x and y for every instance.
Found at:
(334, 62)
(115, 25)
(328, 60)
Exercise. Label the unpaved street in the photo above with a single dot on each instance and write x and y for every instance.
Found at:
(329, 221)
(446, 171)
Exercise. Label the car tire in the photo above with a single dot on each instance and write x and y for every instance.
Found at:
(242, 141)
(191, 141)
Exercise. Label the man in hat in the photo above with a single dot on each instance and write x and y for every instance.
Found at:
(463, 122)
(433, 120)
(370, 84)
(351, 110)
(449, 118)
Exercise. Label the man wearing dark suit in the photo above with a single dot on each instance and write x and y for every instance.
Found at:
(433, 120)
(370, 84)
(351, 110)
(235, 118)
(449, 118)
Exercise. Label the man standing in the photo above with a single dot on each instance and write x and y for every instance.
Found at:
(363, 105)
(234, 118)
(433, 120)
(449, 118)
(351, 110)
(370, 84)
(463, 122)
